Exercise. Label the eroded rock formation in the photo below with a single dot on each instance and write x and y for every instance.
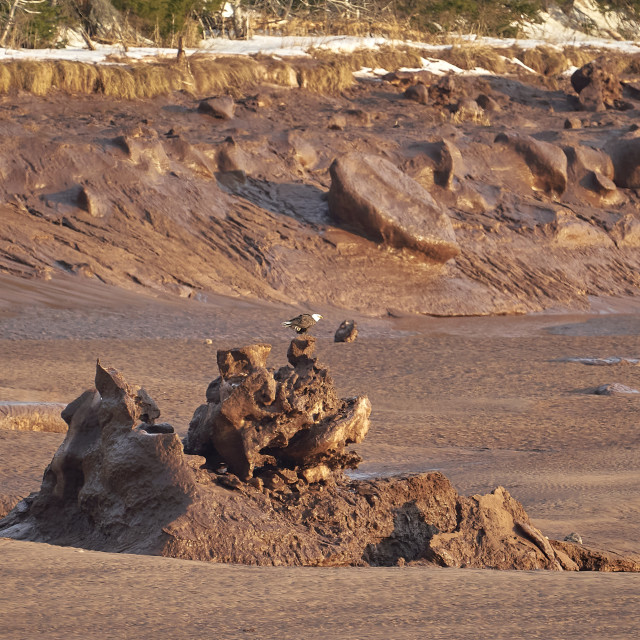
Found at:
(286, 424)
(121, 482)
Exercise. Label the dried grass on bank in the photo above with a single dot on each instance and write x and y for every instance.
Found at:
(472, 56)
(199, 76)
(552, 61)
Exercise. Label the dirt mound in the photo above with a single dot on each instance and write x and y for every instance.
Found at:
(118, 484)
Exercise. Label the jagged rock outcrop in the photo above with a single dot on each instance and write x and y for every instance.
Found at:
(109, 485)
(119, 483)
(288, 423)
(371, 195)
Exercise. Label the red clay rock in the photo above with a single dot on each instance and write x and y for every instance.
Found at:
(222, 107)
(113, 487)
(547, 162)
(598, 84)
(346, 332)
(292, 419)
(370, 194)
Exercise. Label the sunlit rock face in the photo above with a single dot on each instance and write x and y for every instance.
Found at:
(259, 422)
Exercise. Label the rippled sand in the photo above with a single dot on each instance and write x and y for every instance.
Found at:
(488, 401)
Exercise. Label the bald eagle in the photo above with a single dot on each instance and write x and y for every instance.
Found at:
(304, 321)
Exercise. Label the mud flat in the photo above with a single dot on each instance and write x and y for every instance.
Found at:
(486, 401)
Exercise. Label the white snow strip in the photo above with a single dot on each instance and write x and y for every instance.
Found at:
(522, 64)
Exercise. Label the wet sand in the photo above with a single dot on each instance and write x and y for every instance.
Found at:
(488, 401)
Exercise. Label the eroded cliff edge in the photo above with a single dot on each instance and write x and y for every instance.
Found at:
(495, 194)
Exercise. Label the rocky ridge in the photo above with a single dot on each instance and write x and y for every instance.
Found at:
(122, 482)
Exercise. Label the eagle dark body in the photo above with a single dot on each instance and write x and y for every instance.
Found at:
(303, 322)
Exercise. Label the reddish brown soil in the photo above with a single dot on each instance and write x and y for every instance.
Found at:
(157, 195)
(487, 401)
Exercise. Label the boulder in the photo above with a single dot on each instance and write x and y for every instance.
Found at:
(418, 93)
(591, 98)
(346, 332)
(222, 107)
(371, 195)
(597, 84)
(258, 420)
(582, 160)
(593, 170)
(546, 161)
(438, 162)
(143, 148)
(625, 156)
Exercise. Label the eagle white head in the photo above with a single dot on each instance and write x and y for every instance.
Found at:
(316, 316)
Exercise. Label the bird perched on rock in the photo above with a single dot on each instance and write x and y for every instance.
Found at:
(303, 322)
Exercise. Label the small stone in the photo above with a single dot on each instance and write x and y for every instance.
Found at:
(208, 341)
(222, 107)
(573, 123)
(346, 332)
(574, 537)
